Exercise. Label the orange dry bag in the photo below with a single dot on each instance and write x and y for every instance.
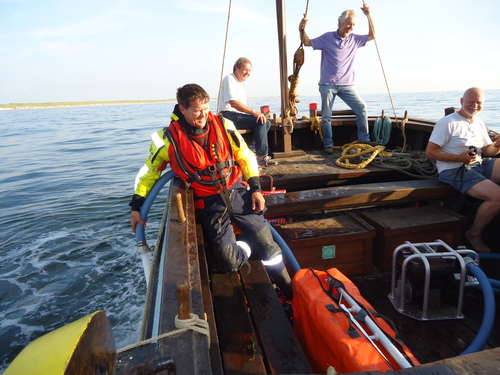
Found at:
(331, 336)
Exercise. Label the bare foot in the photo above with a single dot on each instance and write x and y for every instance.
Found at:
(477, 243)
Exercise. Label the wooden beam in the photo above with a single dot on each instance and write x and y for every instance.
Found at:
(282, 350)
(356, 196)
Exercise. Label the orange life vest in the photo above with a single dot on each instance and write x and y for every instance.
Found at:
(209, 172)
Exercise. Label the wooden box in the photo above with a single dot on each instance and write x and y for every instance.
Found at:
(344, 242)
(413, 224)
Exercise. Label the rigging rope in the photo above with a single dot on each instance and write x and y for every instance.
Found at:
(385, 78)
(298, 61)
(224, 54)
(383, 72)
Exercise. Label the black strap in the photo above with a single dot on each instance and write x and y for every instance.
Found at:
(351, 331)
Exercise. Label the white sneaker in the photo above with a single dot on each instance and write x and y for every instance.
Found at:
(266, 161)
(244, 246)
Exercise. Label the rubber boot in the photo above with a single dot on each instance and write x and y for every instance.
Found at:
(282, 279)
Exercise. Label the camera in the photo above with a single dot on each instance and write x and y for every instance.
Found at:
(474, 150)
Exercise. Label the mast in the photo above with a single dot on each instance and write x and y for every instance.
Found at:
(280, 14)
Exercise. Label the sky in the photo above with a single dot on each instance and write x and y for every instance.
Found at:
(67, 50)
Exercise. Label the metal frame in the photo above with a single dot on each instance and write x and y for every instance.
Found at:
(397, 295)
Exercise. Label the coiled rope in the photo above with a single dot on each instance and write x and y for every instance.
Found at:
(183, 325)
(413, 164)
(358, 150)
(382, 130)
(359, 155)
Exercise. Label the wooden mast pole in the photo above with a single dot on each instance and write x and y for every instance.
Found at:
(280, 14)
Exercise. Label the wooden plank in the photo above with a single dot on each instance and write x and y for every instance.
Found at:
(485, 362)
(215, 354)
(356, 196)
(282, 350)
(241, 353)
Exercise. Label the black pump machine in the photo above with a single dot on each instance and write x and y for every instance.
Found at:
(428, 280)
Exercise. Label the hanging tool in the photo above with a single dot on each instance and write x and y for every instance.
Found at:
(298, 61)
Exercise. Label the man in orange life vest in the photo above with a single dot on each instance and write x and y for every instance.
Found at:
(213, 159)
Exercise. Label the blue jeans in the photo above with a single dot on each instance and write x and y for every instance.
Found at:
(349, 95)
(245, 121)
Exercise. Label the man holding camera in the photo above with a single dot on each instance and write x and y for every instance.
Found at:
(464, 153)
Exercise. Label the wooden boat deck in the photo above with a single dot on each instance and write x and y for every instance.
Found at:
(431, 340)
(316, 169)
(257, 328)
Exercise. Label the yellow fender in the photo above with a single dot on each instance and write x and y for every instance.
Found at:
(79, 348)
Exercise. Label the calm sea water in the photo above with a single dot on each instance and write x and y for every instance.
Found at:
(67, 176)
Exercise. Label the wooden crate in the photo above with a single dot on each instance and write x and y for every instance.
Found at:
(344, 242)
(413, 224)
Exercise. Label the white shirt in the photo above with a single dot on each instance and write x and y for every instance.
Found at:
(232, 89)
(454, 134)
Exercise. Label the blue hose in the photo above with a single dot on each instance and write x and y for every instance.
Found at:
(489, 310)
(494, 283)
(491, 256)
(287, 252)
(488, 256)
(140, 231)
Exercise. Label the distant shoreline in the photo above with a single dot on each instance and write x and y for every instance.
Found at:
(21, 106)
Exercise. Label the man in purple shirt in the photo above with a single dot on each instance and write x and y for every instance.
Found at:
(337, 71)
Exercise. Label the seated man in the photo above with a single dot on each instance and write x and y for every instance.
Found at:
(463, 149)
(213, 159)
(233, 106)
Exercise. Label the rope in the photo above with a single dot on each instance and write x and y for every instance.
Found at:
(224, 53)
(183, 325)
(382, 130)
(298, 61)
(385, 77)
(414, 165)
(405, 148)
(359, 149)
(315, 125)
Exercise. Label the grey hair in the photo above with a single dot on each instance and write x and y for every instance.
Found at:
(345, 15)
(239, 63)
